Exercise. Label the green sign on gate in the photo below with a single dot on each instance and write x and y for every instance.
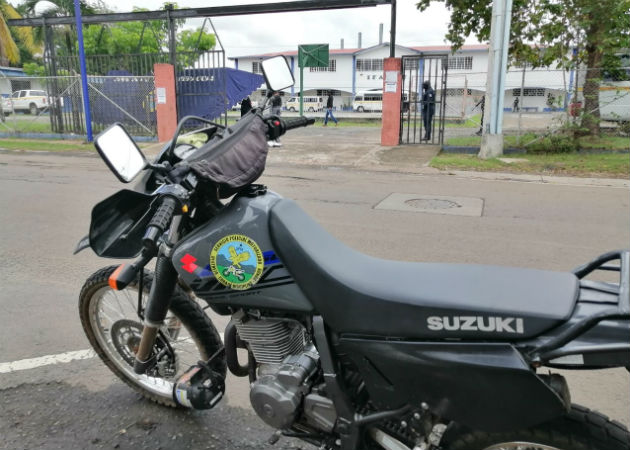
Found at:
(311, 55)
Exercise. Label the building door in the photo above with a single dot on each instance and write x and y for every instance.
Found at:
(422, 111)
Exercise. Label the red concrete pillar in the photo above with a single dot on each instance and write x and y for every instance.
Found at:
(392, 87)
(165, 103)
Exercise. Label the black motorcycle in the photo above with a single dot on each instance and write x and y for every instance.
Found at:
(450, 356)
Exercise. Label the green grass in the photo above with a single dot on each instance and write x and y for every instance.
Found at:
(60, 146)
(615, 165)
(26, 124)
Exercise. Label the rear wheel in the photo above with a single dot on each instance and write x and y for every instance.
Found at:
(581, 429)
(33, 109)
(311, 109)
(112, 326)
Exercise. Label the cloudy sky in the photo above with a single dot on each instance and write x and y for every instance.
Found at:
(244, 35)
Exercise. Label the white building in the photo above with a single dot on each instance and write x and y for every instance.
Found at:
(353, 70)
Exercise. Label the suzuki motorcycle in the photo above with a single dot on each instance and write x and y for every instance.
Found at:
(451, 356)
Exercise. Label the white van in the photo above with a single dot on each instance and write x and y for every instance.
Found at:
(368, 101)
(311, 104)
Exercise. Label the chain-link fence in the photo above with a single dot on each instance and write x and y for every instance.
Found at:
(54, 105)
(539, 103)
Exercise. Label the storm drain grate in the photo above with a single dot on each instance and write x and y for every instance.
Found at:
(433, 204)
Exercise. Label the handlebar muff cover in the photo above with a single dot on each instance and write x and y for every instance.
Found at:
(234, 158)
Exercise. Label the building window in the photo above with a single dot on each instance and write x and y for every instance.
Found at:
(460, 63)
(332, 67)
(327, 92)
(370, 65)
(529, 92)
(257, 67)
(457, 91)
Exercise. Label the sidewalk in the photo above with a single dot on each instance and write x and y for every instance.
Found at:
(359, 148)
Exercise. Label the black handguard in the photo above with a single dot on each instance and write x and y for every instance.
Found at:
(159, 223)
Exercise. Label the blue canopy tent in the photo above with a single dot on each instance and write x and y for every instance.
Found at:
(209, 92)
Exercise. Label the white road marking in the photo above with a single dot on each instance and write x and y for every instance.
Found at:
(60, 358)
(33, 363)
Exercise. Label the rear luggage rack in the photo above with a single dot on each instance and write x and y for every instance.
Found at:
(547, 350)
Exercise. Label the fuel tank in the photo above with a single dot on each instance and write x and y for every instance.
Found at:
(231, 261)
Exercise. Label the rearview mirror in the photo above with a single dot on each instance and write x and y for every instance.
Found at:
(277, 73)
(120, 153)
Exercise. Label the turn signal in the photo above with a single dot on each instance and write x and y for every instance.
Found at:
(112, 278)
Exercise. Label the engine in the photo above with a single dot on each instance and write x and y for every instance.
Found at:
(285, 390)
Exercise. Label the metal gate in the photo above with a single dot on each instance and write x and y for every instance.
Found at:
(420, 119)
(121, 89)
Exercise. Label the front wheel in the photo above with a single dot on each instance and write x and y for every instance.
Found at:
(581, 429)
(112, 326)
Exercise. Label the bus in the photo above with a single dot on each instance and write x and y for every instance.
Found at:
(366, 101)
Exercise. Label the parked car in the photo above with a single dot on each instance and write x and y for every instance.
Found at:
(6, 105)
(31, 101)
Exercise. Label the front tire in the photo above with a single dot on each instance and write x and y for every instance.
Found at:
(188, 329)
(581, 429)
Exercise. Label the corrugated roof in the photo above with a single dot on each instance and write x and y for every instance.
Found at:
(351, 51)
(12, 71)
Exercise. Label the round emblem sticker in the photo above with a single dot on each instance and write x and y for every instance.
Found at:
(237, 261)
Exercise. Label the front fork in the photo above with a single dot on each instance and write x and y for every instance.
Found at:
(158, 304)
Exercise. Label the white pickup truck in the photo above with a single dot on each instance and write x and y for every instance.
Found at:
(30, 100)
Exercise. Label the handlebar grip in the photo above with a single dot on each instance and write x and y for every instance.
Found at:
(159, 223)
(299, 122)
(162, 217)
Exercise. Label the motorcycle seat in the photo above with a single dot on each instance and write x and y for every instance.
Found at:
(357, 294)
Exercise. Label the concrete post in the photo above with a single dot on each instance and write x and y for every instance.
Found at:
(165, 101)
(392, 91)
(492, 139)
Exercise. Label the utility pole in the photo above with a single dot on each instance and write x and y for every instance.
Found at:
(492, 139)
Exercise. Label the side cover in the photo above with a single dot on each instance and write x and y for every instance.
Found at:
(231, 261)
(484, 386)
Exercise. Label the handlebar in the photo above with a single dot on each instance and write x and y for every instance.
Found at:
(160, 222)
(276, 127)
(302, 121)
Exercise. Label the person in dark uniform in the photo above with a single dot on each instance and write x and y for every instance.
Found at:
(481, 103)
(246, 106)
(428, 108)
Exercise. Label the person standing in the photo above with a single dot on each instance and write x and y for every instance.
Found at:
(276, 110)
(428, 108)
(515, 107)
(276, 104)
(481, 103)
(246, 106)
(329, 110)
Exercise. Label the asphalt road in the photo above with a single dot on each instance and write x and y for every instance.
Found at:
(45, 203)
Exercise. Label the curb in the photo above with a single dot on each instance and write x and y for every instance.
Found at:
(472, 150)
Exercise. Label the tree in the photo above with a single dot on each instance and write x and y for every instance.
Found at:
(12, 37)
(596, 28)
(60, 8)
